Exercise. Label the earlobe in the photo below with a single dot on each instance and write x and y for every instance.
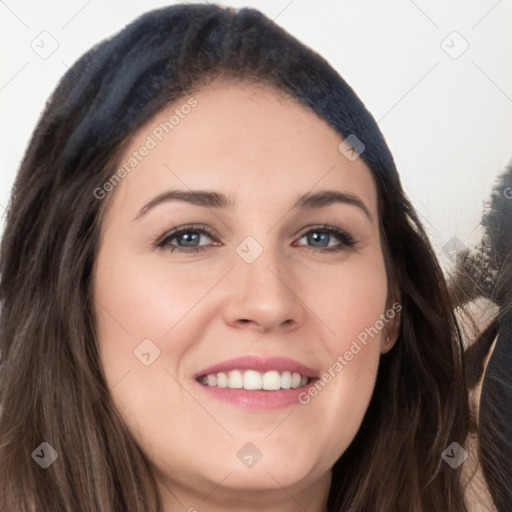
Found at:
(390, 334)
(388, 343)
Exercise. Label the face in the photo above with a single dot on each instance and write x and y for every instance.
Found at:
(240, 331)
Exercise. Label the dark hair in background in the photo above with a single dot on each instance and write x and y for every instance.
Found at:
(487, 272)
(51, 380)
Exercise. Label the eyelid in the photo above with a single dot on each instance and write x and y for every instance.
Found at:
(200, 228)
(346, 239)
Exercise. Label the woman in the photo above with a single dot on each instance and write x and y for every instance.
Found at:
(143, 370)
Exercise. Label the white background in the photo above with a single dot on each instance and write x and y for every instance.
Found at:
(448, 121)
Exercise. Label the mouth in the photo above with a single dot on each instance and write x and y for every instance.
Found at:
(272, 380)
(257, 383)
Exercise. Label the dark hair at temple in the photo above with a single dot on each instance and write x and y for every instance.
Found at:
(52, 384)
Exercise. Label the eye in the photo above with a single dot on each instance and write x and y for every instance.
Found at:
(186, 239)
(322, 236)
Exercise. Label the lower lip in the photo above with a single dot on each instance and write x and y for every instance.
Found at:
(257, 399)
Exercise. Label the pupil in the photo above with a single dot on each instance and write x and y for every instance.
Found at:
(190, 237)
(316, 236)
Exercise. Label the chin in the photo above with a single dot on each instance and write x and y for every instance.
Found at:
(263, 477)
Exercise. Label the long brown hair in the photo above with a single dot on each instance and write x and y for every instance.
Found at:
(52, 384)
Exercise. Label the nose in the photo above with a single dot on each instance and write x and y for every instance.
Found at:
(264, 295)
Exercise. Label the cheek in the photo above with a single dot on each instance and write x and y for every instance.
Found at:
(354, 310)
(143, 332)
(350, 300)
(137, 302)
(146, 307)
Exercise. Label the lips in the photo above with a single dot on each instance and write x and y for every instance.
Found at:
(256, 382)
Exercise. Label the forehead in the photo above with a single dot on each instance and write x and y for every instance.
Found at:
(249, 141)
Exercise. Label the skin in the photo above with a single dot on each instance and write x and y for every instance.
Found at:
(201, 308)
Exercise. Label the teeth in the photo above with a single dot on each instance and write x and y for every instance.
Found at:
(235, 379)
(253, 380)
(272, 381)
(222, 380)
(296, 378)
(286, 380)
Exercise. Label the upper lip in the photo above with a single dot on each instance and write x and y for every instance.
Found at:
(261, 364)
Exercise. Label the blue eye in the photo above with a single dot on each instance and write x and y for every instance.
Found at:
(322, 235)
(187, 238)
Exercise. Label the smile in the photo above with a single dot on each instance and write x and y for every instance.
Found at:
(256, 382)
(272, 380)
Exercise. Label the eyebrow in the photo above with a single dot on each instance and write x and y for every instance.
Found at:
(210, 199)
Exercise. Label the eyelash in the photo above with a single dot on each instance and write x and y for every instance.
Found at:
(347, 241)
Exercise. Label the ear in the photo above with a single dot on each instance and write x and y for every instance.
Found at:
(391, 328)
